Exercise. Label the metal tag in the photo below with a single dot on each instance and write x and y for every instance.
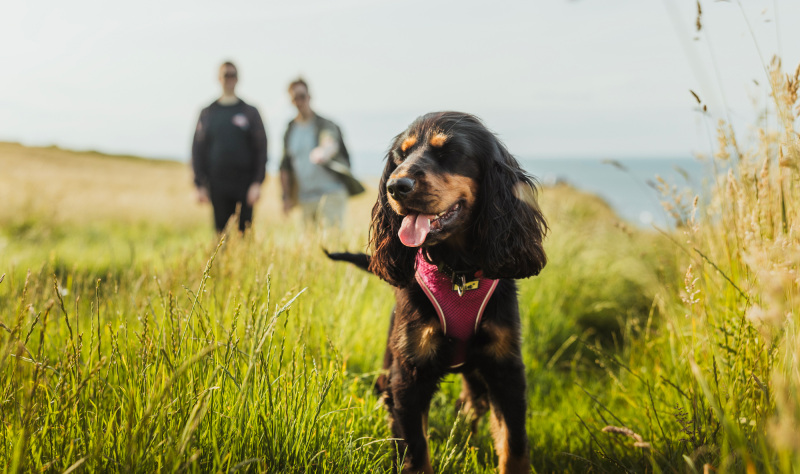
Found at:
(464, 285)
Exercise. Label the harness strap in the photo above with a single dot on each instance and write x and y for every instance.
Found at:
(459, 307)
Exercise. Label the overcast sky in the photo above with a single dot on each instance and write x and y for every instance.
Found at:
(553, 78)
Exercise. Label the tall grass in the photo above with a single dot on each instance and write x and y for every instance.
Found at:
(164, 382)
(741, 290)
(139, 345)
(714, 384)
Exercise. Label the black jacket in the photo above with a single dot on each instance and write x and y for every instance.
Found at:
(255, 163)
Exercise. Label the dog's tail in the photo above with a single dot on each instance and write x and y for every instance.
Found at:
(361, 260)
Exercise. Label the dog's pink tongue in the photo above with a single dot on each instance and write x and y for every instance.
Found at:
(414, 229)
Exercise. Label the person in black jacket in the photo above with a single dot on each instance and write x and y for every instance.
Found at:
(229, 154)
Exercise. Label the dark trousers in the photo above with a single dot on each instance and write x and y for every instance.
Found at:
(225, 207)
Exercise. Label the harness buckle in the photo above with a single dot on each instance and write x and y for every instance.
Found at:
(460, 285)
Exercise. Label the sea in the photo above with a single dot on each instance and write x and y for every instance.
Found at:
(628, 185)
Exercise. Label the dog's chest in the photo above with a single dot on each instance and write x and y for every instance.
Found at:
(459, 312)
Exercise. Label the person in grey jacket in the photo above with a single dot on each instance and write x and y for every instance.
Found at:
(315, 169)
(229, 154)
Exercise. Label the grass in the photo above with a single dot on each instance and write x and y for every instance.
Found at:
(131, 341)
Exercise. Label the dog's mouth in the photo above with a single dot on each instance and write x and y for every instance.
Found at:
(416, 226)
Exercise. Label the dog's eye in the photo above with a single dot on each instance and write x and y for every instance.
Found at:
(443, 155)
(398, 156)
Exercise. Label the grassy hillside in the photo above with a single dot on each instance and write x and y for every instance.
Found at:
(131, 341)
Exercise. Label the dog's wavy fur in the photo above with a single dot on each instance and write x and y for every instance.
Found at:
(451, 156)
(507, 231)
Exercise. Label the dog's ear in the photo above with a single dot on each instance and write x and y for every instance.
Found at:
(391, 260)
(509, 225)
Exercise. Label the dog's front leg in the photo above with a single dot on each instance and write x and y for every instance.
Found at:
(411, 398)
(473, 401)
(506, 382)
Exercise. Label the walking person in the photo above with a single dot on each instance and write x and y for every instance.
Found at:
(315, 168)
(229, 154)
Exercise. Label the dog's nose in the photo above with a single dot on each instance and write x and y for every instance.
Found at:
(399, 188)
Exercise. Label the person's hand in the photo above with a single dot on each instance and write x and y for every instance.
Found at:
(202, 195)
(327, 149)
(319, 156)
(253, 194)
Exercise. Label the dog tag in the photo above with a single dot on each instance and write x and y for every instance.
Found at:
(464, 285)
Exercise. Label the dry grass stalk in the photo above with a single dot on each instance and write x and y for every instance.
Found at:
(722, 152)
(639, 442)
(698, 23)
(691, 291)
(754, 211)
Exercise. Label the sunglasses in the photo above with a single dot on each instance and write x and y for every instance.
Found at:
(230, 75)
(300, 96)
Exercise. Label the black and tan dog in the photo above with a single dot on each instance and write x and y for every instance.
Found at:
(455, 223)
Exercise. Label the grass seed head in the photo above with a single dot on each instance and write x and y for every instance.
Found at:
(639, 442)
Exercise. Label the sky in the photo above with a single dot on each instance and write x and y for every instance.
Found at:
(554, 78)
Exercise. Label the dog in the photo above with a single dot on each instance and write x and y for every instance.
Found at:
(456, 221)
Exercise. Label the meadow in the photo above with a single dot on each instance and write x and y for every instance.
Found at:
(132, 340)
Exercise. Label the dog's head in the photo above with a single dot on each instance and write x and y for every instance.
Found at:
(450, 180)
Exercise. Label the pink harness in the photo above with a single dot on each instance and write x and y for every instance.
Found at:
(459, 312)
